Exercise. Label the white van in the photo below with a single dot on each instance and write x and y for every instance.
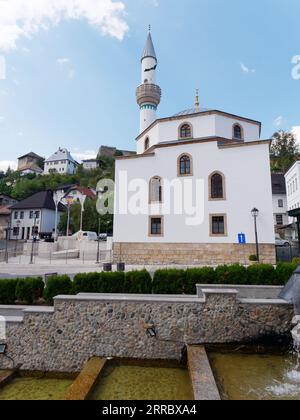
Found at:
(86, 236)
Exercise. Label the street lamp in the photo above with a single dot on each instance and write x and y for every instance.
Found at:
(255, 213)
(8, 231)
(34, 237)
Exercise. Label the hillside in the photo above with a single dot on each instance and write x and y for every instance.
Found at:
(20, 187)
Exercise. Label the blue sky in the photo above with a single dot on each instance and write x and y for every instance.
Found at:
(73, 84)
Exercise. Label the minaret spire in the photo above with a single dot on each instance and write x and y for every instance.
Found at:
(148, 94)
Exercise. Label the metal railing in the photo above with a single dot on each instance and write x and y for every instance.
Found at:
(17, 257)
(287, 253)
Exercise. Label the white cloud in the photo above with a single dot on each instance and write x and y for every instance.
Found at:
(84, 155)
(246, 69)
(279, 121)
(5, 164)
(24, 18)
(67, 63)
(296, 131)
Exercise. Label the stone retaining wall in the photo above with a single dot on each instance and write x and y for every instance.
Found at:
(189, 254)
(83, 326)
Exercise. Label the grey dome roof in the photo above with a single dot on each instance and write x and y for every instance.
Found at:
(191, 111)
(149, 50)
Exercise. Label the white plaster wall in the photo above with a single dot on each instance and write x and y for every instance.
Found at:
(292, 179)
(24, 223)
(148, 63)
(61, 168)
(225, 124)
(45, 223)
(213, 125)
(280, 210)
(248, 185)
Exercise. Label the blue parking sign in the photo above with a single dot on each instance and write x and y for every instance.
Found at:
(242, 238)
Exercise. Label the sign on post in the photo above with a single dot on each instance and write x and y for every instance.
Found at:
(242, 238)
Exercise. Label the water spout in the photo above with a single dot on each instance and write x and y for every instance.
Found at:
(296, 333)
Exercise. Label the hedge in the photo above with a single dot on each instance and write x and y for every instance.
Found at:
(138, 282)
(29, 290)
(205, 275)
(231, 274)
(86, 283)
(284, 272)
(170, 282)
(111, 283)
(8, 291)
(167, 281)
(57, 285)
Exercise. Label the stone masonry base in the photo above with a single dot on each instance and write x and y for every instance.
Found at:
(190, 254)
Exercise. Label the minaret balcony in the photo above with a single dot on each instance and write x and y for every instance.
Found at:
(148, 93)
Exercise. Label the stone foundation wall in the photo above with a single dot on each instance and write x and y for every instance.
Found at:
(190, 254)
(83, 326)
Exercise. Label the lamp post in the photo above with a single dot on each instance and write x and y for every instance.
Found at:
(8, 230)
(33, 238)
(98, 246)
(255, 213)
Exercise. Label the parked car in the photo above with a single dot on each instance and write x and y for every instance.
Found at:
(86, 236)
(103, 237)
(282, 242)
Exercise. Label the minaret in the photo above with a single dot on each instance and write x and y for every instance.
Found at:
(148, 94)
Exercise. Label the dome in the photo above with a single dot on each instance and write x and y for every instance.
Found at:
(191, 111)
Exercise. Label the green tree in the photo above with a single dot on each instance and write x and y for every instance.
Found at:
(284, 151)
(90, 219)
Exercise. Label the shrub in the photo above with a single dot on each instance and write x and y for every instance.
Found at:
(138, 282)
(111, 283)
(253, 258)
(296, 261)
(86, 283)
(57, 285)
(205, 275)
(284, 272)
(8, 291)
(168, 282)
(261, 274)
(231, 274)
(29, 290)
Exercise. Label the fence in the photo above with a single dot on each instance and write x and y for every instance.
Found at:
(287, 253)
(17, 256)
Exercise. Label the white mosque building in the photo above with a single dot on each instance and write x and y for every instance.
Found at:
(187, 196)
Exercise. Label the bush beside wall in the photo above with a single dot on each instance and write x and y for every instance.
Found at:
(57, 285)
(170, 282)
(29, 290)
(138, 282)
(8, 291)
(167, 281)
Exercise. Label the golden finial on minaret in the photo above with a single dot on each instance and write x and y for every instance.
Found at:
(197, 100)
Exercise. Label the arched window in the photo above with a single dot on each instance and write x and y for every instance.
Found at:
(156, 191)
(185, 131)
(147, 144)
(237, 132)
(185, 165)
(217, 186)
